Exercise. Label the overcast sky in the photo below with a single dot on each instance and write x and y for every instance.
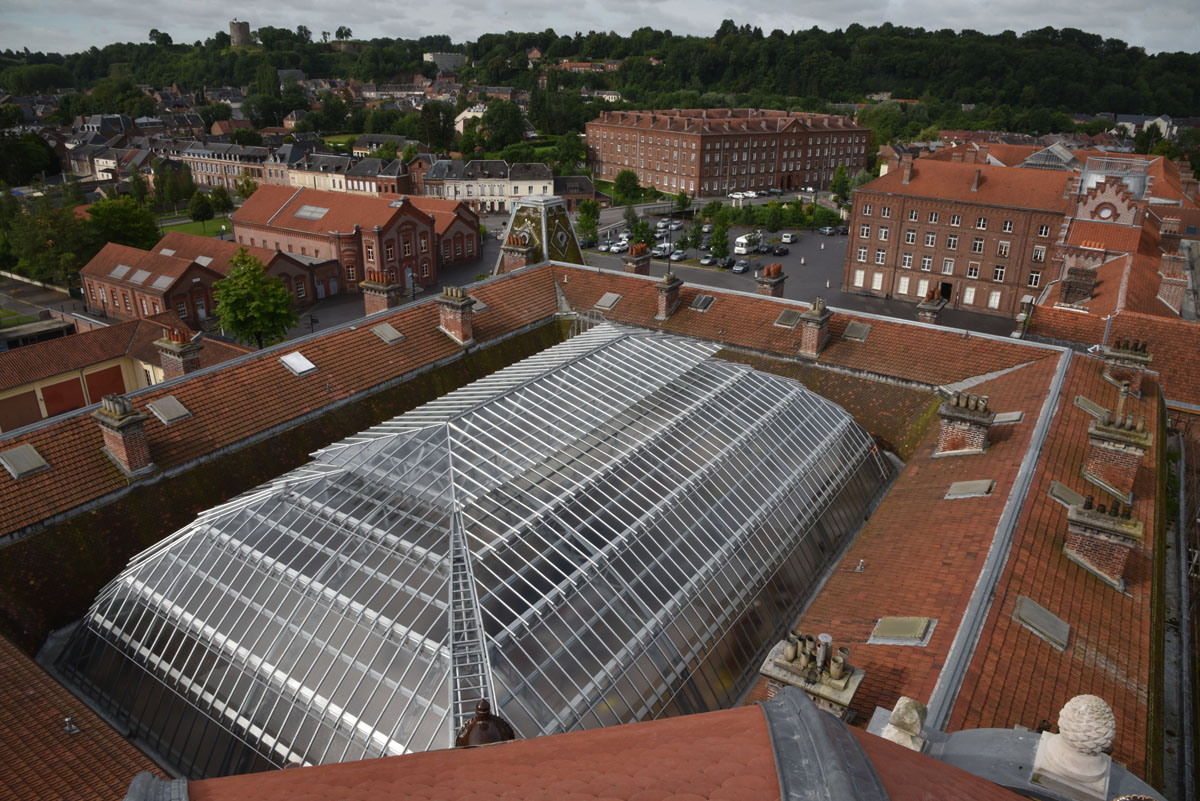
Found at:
(71, 25)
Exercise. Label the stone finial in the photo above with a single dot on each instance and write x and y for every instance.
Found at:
(905, 724)
(484, 728)
(1072, 763)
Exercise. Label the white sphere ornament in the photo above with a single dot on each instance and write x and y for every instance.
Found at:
(1088, 724)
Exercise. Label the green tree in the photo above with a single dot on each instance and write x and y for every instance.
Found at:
(711, 210)
(410, 153)
(73, 192)
(251, 305)
(51, 242)
(589, 219)
(1147, 139)
(385, 152)
(682, 202)
(221, 202)
(504, 125)
(631, 216)
(342, 32)
(137, 185)
(123, 221)
(244, 186)
(773, 218)
(200, 209)
(642, 232)
(266, 80)
(861, 177)
(246, 137)
(23, 158)
(625, 186)
(160, 38)
(719, 241)
(187, 186)
(840, 185)
(11, 115)
(568, 153)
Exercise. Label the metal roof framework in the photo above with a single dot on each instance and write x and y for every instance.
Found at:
(612, 530)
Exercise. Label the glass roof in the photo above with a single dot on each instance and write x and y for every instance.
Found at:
(570, 536)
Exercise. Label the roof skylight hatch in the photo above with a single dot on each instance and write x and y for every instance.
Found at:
(168, 409)
(298, 363)
(387, 333)
(607, 301)
(22, 461)
(307, 212)
(120, 271)
(970, 489)
(856, 331)
(915, 631)
(1042, 622)
(701, 303)
(788, 318)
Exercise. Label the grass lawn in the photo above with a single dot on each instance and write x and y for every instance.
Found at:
(209, 228)
(341, 141)
(8, 317)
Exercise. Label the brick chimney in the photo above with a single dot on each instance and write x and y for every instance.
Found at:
(1127, 362)
(124, 435)
(770, 280)
(515, 254)
(956, 154)
(906, 168)
(1172, 285)
(454, 314)
(1187, 180)
(1115, 450)
(929, 310)
(178, 355)
(637, 260)
(965, 421)
(977, 180)
(969, 155)
(1078, 284)
(814, 332)
(668, 295)
(380, 292)
(1100, 539)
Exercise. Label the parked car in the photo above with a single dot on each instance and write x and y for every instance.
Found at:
(705, 243)
(763, 247)
(662, 225)
(676, 225)
(736, 195)
(708, 260)
(618, 247)
(679, 255)
(828, 230)
(749, 193)
(741, 266)
(781, 250)
(725, 262)
(844, 230)
(660, 233)
(707, 228)
(787, 238)
(587, 243)
(775, 191)
(603, 247)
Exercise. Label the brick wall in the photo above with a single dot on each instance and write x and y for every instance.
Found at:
(1113, 465)
(1103, 556)
(959, 435)
(128, 445)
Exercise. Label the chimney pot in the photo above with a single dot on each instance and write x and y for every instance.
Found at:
(124, 434)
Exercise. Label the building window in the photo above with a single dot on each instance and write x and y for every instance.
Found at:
(390, 249)
(407, 247)
(144, 312)
(126, 298)
(956, 219)
(968, 296)
(299, 287)
(1039, 254)
(981, 223)
(860, 276)
(912, 215)
(877, 281)
(351, 273)
(933, 216)
(1008, 226)
(116, 300)
(910, 237)
(926, 263)
(994, 299)
(181, 309)
(458, 248)
(425, 268)
(880, 255)
(867, 209)
(1043, 230)
(864, 231)
(1002, 249)
(923, 287)
(883, 233)
(885, 212)
(906, 261)
(977, 245)
(424, 243)
(155, 305)
(902, 286)
(862, 254)
(998, 273)
(91, 290)
(930, 239)
(973, 269)
(947, 266)
(952, 242)
(1035, 278)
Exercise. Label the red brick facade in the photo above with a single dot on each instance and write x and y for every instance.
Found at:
(712, 152)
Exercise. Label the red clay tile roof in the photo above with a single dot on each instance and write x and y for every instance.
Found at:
(1110, 236)
(1000, 186)
(893, 348)
(38, 758)
(1016, 677)
(190, 246)
(277, 206)
(153, 262)
(45, 359)
(1175, 345)
(443, 212)
(263, 391)
(722, 756)
(921, 553)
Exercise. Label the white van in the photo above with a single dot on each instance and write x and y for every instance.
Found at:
(786, 239)
(745, 244)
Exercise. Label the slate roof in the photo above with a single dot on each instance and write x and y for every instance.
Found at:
(1016, 677)
(39, 759)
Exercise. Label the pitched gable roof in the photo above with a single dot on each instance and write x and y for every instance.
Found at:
(278, 206)
(998, 186)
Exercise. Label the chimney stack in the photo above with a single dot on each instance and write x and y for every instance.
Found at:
(770, 280)
(124, 431)
(454, 314)
(1078, 285)
(1115, 450)
(637, 260)
(965, 422)
(906, 169)
(668, 295)
(380, 292)
(1100, 539)
(178, 355)
(516, 253)
(1127, 362)
(1172, 285)
(814, 332)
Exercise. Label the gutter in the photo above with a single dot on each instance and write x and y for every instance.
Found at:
(966, 639)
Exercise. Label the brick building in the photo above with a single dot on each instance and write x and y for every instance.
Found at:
(408, 239)
(179, 273)
(978, 236)
(711, 152)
